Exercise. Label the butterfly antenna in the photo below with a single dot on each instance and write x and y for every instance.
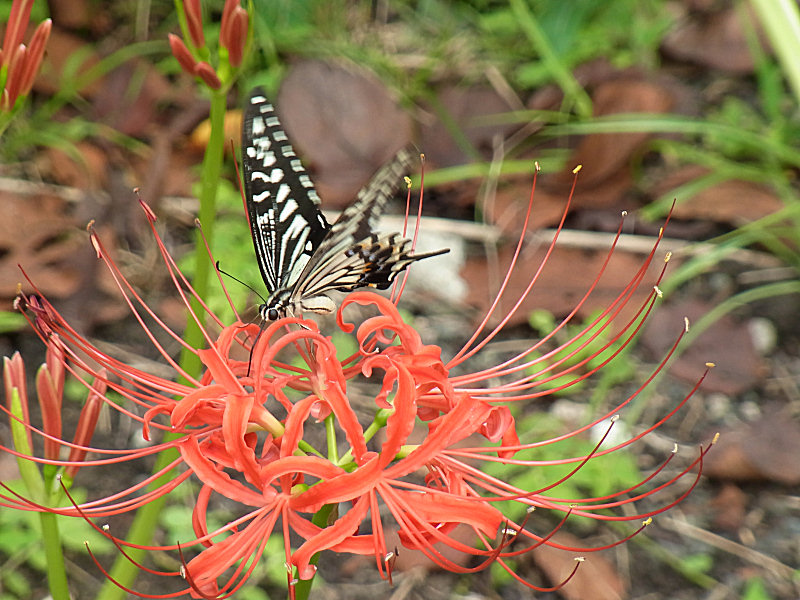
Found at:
(248, 286)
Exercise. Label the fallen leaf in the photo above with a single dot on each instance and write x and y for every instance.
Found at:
(729, 507)
(135, 110)
(41, 234)
(712, 39)
(36, 232)
(727, 343)
(72, 14)
(463, 108)
(85, 167)
(62, 50)
(606, 158)
(766, 449)
(595, 579)
(344, 122)
(510, 203)
(734, 202)
(566, 278)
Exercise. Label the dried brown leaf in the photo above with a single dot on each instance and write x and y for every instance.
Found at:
(733, 202)
(596, 578)
(727, 343)
(766, 449)
(344, 122)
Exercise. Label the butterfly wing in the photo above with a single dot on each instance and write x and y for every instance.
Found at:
(282, 203)
(352, 255)
(359, 220)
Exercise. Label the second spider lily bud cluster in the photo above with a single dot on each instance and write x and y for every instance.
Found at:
(195, 56)
(50, 394)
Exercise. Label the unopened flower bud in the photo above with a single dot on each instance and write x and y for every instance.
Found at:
(35, 55)
(206, 72)
(87, 423)
(17, 24)
(236, 36)
(181, 52)
(194, 22)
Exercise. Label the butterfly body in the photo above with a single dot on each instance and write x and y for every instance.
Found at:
(301, 257)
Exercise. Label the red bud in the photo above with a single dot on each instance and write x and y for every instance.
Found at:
(181, 52)
(206, 72)
(194, 21)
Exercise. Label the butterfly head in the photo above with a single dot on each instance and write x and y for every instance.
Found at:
(279, 305)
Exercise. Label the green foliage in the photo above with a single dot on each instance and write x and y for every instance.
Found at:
(625, 32)
(252, 592)
(754, 589)
(11, 321)
(500, 576)
(38, 11)
(598, 477)
(615, 372)
(176, 522)
(233, 248)
(21, 542)
(696, 564)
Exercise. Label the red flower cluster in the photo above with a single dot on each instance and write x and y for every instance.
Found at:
(271, 425)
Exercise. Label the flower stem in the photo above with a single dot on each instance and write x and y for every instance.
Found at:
(56, 573)
(124, 571)
(212, 167)
(302, 588)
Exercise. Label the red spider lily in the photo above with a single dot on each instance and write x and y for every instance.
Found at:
(248, 429)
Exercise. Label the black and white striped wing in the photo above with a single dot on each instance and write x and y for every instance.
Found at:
(282, 203)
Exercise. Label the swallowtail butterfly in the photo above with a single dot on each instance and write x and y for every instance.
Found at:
(301, 257)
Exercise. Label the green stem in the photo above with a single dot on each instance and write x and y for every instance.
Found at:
(573, 92)
(56, 573)
(212, 168)
(141, 532)
(124, 571)
(781, 21)
(321, 518)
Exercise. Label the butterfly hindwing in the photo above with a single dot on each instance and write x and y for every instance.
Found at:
(360, 219)
(372, 262)
(282, 203)
(352, 255)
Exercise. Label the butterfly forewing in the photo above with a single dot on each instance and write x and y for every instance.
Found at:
(282, 204)
(302, 259)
